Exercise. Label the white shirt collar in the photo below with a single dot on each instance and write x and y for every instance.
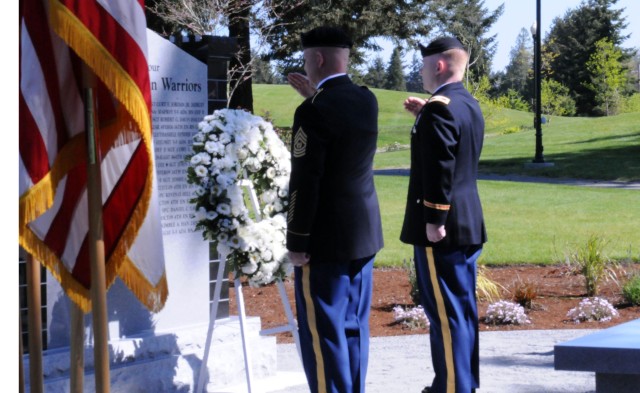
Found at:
(329, 77)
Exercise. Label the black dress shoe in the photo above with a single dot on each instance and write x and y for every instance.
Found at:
(427, 389)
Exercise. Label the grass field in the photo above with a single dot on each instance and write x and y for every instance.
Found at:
(526, 223)
(529, 222)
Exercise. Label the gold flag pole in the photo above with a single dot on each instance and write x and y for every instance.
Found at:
(76, 366)
(34, 304)
(96, 241)
(21, 365)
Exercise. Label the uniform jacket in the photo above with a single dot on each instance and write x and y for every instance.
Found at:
(333, 206)
(446, 142)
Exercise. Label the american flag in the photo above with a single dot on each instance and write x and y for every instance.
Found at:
(58, 38)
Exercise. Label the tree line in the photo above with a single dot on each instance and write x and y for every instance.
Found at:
(585, 70)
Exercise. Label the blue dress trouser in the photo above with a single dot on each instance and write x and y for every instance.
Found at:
(333, 303)
(447, 284)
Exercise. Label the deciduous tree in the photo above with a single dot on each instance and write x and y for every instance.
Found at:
(608, 77)
(573, 38)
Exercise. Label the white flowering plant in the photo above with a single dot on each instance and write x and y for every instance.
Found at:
(504, 312)
(593, 309)
(413, 317)
(233, 148)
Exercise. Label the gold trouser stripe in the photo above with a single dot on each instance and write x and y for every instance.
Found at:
(313, 328)
(444, 322)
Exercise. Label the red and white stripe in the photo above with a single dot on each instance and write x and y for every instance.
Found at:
(110, 37)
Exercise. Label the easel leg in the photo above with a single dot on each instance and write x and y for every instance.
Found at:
(292, 322)
(212, 322)
(243, 320)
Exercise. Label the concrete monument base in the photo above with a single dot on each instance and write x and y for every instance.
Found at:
(170, 361)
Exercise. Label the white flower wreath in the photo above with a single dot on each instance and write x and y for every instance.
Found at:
(232, 146)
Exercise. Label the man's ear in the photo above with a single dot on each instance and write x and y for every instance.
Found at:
(319, 58)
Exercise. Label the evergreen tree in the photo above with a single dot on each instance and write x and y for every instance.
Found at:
(517, 74)
(470, 22)
(375, 76)
(400, 20)
(607, 77)
(394, 73)
(414, 78)
(573, 38)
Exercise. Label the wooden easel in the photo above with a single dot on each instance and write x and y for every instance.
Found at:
(291, 325)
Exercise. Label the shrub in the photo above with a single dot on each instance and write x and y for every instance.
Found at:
(630, 104)
(591, 262)
(504, 312)
(413, 317)
(524, 293)
(631, 290)
(592, 309)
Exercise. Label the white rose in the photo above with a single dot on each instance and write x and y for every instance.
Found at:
(200, 214)
(266, 255)
(196, 159)
(249, 268)
(201, 171)
(211, 147)
(271, 173)
(205, 159)
(223, 209)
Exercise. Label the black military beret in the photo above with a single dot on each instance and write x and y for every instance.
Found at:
(325, 36)
(440, 45)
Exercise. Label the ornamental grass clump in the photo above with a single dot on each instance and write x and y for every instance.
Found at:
(524, 293)
(504, 312)
(412, 317)
(590, 261)
(631, 290)
(593, 309)
(486, 288)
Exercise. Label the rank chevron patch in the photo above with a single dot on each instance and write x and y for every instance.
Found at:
(299, 143)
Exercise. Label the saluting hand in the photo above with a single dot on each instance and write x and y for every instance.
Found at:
(435, 233)
(414, 105)
(302, 84)
(298, 258)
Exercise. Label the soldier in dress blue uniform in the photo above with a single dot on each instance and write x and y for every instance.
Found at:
(443, 218)
(334, 229)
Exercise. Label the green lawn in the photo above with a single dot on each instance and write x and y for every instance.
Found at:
(526, 223)
(529, 222)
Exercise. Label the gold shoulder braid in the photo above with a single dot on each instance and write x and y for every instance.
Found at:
(441, 99)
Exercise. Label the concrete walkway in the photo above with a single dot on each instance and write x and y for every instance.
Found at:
(510, 362)
(531, 179)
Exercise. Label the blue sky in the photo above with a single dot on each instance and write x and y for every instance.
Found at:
(520, 14)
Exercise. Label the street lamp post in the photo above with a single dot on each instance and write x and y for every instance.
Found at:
(539, 158)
